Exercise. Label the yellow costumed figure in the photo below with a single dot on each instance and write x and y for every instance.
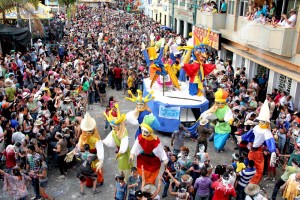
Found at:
(118, 137)
(90, 136)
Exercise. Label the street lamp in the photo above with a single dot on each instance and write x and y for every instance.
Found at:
(173, 25)
(195, 12)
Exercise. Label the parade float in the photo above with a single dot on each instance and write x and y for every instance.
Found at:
(177, 100)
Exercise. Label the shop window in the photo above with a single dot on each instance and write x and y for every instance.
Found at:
(285, 83)
(231, 4)
(243, 7)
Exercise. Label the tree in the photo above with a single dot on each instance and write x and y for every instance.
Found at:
(67, 3)
(26, 5)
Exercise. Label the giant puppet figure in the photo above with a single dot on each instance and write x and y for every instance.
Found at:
(156, 66)
(197, 70)
(257, 137)
(90, 136)
(222, 113)
(149, 150)
(118, 137)
(136, 116)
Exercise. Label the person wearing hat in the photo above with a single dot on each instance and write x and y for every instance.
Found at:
(141, 110)
(10, 91)
(257, 137)
(90, 136)
(253, 192)
(149, 150)
(118, 137)
(224, 116)
(291, 21)
(294, 168)
(203, 133)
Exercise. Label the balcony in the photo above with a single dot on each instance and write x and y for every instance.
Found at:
(214, 21)
(276, 40)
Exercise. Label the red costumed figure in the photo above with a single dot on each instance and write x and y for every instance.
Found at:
(149, 150)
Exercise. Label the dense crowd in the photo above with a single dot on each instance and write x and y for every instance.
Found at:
(46, 91)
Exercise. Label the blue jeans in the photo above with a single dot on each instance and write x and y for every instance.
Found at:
(91, 97)
(166, 187)
(241, 195)
(34, 116)
(201, 197)
(281, 142)
(36, 187)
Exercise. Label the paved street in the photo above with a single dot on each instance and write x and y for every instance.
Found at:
(68, 189)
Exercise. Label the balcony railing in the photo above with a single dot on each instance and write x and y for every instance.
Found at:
(277, 40)
(211, 20)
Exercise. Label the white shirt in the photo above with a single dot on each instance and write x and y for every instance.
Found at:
(257, 197)
(292, 19)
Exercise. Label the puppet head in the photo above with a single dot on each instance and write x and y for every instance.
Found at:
(150, 123)
(220, 97)
(264, 116)
(139, 100)
(116, 122)
(88, 123)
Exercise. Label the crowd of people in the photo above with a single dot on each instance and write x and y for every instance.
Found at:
(46, 92)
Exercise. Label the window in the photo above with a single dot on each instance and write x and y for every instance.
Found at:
(284, 83)
(243, 7)
(231, 7)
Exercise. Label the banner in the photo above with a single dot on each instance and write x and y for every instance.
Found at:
(169, 112)
(214, 37)
(51, 2)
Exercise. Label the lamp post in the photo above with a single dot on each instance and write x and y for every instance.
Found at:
(195, 12)
(173, 25)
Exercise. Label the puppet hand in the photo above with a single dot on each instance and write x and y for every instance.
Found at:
(166, 162)
(69, 157)
(99, 166)
(131, 157)
(143, 46)
(162, 43)
(152, 37)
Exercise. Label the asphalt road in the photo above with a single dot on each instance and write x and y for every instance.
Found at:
(68, 189)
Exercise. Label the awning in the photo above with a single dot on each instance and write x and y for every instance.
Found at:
(42, 12)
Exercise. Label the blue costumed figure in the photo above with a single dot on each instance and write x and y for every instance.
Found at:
(258, 137)
(136, 116)
(224, 116)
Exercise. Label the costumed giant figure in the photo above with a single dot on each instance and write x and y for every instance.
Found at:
(149, 150)
(257, 137)
(222, 113)
(118, 137)
(90, 136)
(136, 116)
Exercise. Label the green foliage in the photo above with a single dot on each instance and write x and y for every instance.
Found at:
(66, 3)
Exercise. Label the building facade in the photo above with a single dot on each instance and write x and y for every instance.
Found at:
(262, 49)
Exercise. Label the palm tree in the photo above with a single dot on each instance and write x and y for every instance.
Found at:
(26, 5)
(67, 3)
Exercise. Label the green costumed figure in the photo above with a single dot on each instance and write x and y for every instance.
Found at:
(118, 137)
(224, 116)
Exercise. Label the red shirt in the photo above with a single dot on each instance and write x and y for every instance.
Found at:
(222, 192)
(118, 72)
(10, 159)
